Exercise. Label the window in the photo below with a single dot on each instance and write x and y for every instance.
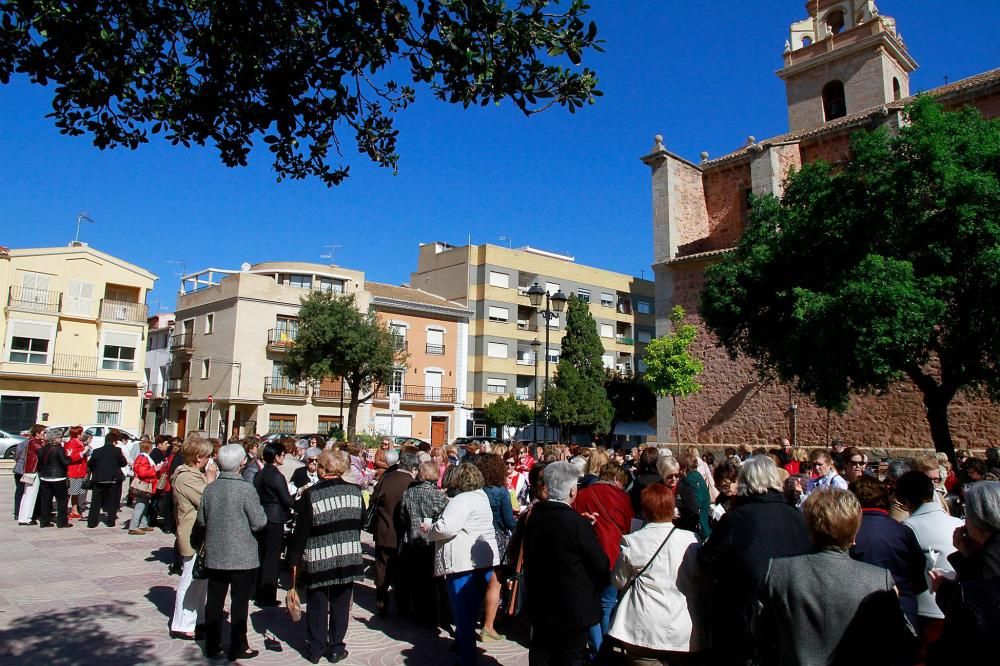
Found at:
(553, 321)
(608, 361)
(583, 295)
(499, 314)
(396, 385)
(280, 423)
(644, 307)
(553, 356)
(435, 341)
(327, 424)
(498, 279)
(202, 419)
(29, 342)
(109, 412)
(640, 365)
(608, 300)
(897, 92)
(835, 21)
(298, 281)
(644, 336)
(607, 331)
(496, 386)
(119, 351)
(807, 41)
(209, 323)
(551, 287)
(206, 368)
(834, 102)
(330, 284)
(398, 331)
(496, 349)
(80, 298)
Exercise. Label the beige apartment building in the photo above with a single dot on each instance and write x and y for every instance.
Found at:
(232, 333)
(74, 338)
(493, 282)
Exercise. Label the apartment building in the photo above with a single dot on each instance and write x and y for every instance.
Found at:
(156, 401)
(493, 282)
(234, 328)
(74, 337)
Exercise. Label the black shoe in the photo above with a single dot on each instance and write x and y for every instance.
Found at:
(381, 608)
(213, 654)
(181, 636)
(45, 524)
(245, 654)
(66, 525)
(199, 632)
(339, 655)
(173, 570)
(313, 660)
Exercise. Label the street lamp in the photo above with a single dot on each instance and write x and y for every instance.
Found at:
(535, 344)
(554, 304)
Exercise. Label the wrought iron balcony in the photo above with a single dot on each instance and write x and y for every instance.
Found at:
(419, 394)
(328, 394)
(34, 300)
(71, 365)
(284, 387)
(280, 339)
(182, 342)
(179, 385)
(112, 310)
(435, 350)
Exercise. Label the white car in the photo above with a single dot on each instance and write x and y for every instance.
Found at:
(8, 444)
(97, 430)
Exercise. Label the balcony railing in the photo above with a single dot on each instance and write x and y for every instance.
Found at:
(419, 394)
(282, 386)
(157, 390)
(399, 343)
(70, 365)
(179, 385)
(623, 340)
(328, 394)
(527, 326)
(280, 339)
(112, 310)
(524, 395)
(182, 342)
(435, 350)
(525, 360)
(35, 300)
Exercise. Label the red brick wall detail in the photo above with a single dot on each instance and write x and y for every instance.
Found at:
(833, 150)
(725, 191)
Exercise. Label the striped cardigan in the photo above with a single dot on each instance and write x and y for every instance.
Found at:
(328, 519)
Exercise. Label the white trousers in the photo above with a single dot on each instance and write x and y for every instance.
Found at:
(189, 606)
(28, 500)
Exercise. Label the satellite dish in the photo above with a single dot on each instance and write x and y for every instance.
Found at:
(245, 266)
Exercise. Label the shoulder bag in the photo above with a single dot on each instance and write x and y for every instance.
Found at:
(141, 486)
(628, 586)
(512, 592)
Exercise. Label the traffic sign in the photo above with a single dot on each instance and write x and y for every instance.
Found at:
(148, 395)
(393, 402)
(209, 398)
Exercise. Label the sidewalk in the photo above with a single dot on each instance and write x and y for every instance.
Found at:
(99, 596)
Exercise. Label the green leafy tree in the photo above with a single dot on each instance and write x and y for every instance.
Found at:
(301, 76)
(671, 370)
(508, 412)
(577, 400)
(631, 398)
(335, 339)
(883, 268)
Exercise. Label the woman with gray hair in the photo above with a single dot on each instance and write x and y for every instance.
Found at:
(229, 513)
(759, 526)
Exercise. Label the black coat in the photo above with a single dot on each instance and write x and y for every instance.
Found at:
(106, 464)
(53, 461)
(565, 568)
(385, 499)
(274, 495)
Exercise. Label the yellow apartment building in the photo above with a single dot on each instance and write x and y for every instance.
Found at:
(493, 282)
(74, 338)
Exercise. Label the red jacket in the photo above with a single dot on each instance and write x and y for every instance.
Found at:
(31, 455)
(74, 449)
(165, 474)
(614, 509)
(144, 469)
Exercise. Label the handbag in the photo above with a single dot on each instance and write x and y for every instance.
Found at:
(512, 592)
(88, 481)
(141, 486)
(198, 570)
(371, 515)
(29, 478)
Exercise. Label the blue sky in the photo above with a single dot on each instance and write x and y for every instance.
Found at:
(699, 73)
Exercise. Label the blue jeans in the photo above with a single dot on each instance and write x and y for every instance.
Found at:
(609, 598)
(139, 516)
(466, 591)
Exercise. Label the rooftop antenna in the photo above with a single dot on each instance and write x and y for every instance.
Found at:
(642, 273)
(82, 218)
(178, 262)
(329, 255)
(505, 238)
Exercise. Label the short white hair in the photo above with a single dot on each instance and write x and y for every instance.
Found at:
(758, 474)
(230, 457)
(560, 480)
(666, 464)
(580, 463)
(982, 505)
(391, 457)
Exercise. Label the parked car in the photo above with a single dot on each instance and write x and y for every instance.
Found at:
(97, 430)
(465, 441)
(8, 444)
(409, 441)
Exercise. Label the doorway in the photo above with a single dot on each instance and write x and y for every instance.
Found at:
(182, 422)
(439, 430)
(17, 413)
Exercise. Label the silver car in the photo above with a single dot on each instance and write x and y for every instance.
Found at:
(8, 444)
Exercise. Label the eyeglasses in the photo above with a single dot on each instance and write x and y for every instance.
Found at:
(935, 479)
(818, 464)
(312, 462)
(671, 476)
(856, 462)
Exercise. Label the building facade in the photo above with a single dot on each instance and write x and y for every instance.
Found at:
(74, 338)
(845, 68)
(156, 401)
(493, 281)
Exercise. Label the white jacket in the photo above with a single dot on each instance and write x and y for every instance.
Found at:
(657, 611)
(464, 536)
(934, 530)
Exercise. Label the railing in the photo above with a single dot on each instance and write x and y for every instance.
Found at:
(399, 343)
(112, 310)
(521, 395)
(70, 365)
(622, 340)
(36, 300)
(526, 326)
(284, 386)
(179, 385)
(420, 394)
(280, 338)
(182, 341)
(524, 361)
(334, 394)
(435, 350)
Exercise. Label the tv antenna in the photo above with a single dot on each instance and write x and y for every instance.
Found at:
(82, 218)
(329, 255)
(505, 238)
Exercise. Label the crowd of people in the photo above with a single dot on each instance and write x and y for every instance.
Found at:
(650, 556)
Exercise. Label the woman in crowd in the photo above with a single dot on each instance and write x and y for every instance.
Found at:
(327, 540)
(797, 465)
(143, 484)
(230, 513)
(694, 456)
(439, 458)
(53, 461)
(493, 470)
(657, 572)
(27, 459)
(277, 502)
(76, 472)
(646, 473)
(466, 553)
(694, 510)
(304, 476)
(595, 463)
(188, 485)
(107, 465)
(725, 477)
(252, 464)
(422, 502)
(855, 461)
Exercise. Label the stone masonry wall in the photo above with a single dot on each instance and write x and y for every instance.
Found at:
(725, 199)
(734, 408)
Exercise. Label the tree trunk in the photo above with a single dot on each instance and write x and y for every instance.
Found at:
(352, 416)
(937, 418)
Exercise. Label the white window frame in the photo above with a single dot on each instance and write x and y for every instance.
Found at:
(496, 385)
(79, 304)
(493, 313)
(608, 361)
(554, 355)
(583, 295)
(490, 346)
(117, 361)
(51, 339)
(606, 330)
(206, 368)
(499, 280)
(552, 287)
(607, 300)
(209, 323)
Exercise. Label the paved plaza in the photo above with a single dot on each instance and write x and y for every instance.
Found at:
(100, 596)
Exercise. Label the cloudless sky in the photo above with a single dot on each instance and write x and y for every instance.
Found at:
(699, 73)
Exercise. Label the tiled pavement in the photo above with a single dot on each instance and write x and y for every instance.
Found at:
(82, 596)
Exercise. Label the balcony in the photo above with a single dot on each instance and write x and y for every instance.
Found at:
(280, 339)
(623, 340)
(34, 300)
(182, 342)
(524, 395)
(282, 387)
(178, 386)
(127, 311)
(419, 394)
(526, 326)
(434, 350)
(328, 394)
(525, 360)
(70, 365)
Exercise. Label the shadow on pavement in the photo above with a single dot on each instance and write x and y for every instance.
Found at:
(163, 598)
(58, 638)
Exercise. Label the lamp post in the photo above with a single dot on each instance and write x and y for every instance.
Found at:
(535, 344)
(554, 304)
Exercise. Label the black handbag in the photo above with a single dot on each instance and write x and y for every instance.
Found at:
(371, 515)
(88, 481)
